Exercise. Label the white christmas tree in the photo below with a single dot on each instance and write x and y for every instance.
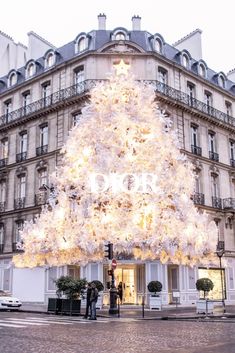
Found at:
(123, 180)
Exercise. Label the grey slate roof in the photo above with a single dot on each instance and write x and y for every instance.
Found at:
(98, 38)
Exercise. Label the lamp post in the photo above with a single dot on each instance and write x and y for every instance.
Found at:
(220, 252)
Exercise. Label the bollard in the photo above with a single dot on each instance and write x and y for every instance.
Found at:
(118, 307)
(143, 306)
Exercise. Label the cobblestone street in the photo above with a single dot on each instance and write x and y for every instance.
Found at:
(35, 333)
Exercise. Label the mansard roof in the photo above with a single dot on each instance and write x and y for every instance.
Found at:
(101, 39)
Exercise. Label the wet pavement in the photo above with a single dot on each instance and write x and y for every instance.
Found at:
(41, 333)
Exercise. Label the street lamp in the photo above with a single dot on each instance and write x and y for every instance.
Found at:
(220, 252)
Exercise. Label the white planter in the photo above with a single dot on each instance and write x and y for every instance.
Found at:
(155, 302)
(99, 303)
(204, 306)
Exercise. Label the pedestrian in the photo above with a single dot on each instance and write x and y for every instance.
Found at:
(120, 291)
(88, 301)
(93, 300)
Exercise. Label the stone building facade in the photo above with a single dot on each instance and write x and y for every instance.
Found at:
(40, 101)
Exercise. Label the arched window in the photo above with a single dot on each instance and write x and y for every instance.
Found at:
(81, 44)
(50, 60)
(158, 45)
(12, 79)
(30, 70)
(202, 70)
(185, 61)
(221, 81)
(120, 36)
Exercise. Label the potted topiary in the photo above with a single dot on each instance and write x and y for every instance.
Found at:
(72, 289)
(204, 306)
(100, 287)
(155, 301)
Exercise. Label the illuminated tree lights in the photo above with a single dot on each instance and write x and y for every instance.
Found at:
(123, 179)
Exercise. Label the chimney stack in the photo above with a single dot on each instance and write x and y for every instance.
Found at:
(102, 21)
(136, 21)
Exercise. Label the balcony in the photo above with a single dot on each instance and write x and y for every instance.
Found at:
(232, 162)
(3, 162)
(229, 204)
(2, 206)
(196, 150)
(1, 248)
(19, 203)
(214, 156)
(62, 96)
(199, 199)
(216, 202)
(41, 198)
(20, 157)
(41, 150)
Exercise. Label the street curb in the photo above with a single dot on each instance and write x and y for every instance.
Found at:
(169, 318)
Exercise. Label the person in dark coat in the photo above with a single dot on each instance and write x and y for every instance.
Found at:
(93, 300)
(88, 301)
(120, 291)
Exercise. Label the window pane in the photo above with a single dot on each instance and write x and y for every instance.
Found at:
(2, 191)
(23, 143)
(44, 136)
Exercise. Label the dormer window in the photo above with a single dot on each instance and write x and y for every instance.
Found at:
(50, 60)
(221, 81)
(185, 61)
(202, 70)
(158, 45)
(12, 79)
(120, 36)
(81, 44)
(30, 71)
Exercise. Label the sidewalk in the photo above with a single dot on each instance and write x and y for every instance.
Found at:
(167, 313)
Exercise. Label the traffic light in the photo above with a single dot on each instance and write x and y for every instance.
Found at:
(108, 251)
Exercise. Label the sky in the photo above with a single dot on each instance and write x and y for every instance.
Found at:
(61, 21)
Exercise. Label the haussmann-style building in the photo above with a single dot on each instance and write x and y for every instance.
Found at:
(42, 92)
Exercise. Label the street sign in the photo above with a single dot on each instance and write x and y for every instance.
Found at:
(114, 264)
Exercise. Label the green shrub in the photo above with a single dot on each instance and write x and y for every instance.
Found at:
(205, 285)
(154, 286)
(71, 287)
(99, 285)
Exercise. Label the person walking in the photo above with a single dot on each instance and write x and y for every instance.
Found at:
(93, 300)
(88, 301)
(120, 292)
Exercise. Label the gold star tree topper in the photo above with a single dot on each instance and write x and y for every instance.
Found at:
(121, 68)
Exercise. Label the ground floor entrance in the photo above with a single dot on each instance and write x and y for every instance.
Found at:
(131, 278)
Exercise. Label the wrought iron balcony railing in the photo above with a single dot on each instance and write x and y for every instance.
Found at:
(3, 162)
(53, 99)
(214, 156)
(196, 150)
(186, 99)
(19, 203)
(232, 162)
(85, 86)
(216, 202)
(199, 198)
(41, 150)
(41, 198)
(2, 206)
(20, 157)
(229, 203)
(1, 248)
